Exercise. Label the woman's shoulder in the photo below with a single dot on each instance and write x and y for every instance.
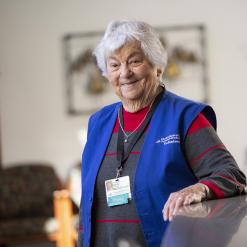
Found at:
(190, 108)
(174, 98)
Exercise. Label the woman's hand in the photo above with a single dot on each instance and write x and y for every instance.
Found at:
(192, 194)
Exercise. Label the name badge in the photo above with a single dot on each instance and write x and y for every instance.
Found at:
(118, 191)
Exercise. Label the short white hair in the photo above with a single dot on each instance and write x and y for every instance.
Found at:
(119, 33)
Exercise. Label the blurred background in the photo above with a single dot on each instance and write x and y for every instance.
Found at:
(35, 125)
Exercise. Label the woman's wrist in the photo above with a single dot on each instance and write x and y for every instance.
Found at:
(207, 192)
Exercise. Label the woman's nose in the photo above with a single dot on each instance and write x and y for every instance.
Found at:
(125, 71)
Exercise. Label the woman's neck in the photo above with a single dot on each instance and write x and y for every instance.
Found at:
(146, 100)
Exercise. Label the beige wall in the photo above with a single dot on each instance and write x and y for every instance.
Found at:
(34, 123)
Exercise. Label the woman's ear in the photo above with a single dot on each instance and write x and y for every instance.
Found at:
(159, 73)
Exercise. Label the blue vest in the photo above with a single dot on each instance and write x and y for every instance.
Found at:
(161, 169)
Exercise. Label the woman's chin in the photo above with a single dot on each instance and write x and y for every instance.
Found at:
(129, 93)
(129, 97)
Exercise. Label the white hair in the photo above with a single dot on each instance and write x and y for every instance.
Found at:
(120, 32)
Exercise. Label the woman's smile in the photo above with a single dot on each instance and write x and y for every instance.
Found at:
(127, 83)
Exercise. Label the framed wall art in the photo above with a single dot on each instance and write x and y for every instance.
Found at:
(186, 73)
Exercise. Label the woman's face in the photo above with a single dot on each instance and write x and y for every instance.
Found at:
(130, 73)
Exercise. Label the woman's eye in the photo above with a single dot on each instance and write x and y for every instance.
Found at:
(135, 61)
(114, 65)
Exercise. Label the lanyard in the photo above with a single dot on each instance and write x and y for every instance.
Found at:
(121, 155)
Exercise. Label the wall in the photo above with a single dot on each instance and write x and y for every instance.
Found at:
(34, 122)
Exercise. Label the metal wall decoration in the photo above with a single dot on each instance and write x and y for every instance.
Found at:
(186, 73)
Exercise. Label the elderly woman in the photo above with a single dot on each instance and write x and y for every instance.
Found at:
(152, 152)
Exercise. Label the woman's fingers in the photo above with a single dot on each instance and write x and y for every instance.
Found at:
(166, 208)
(172, 205)
(187, 196)
(179, 203)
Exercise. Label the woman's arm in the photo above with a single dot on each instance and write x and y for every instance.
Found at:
(212, 164)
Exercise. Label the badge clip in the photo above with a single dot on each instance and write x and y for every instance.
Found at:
(119, 170)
